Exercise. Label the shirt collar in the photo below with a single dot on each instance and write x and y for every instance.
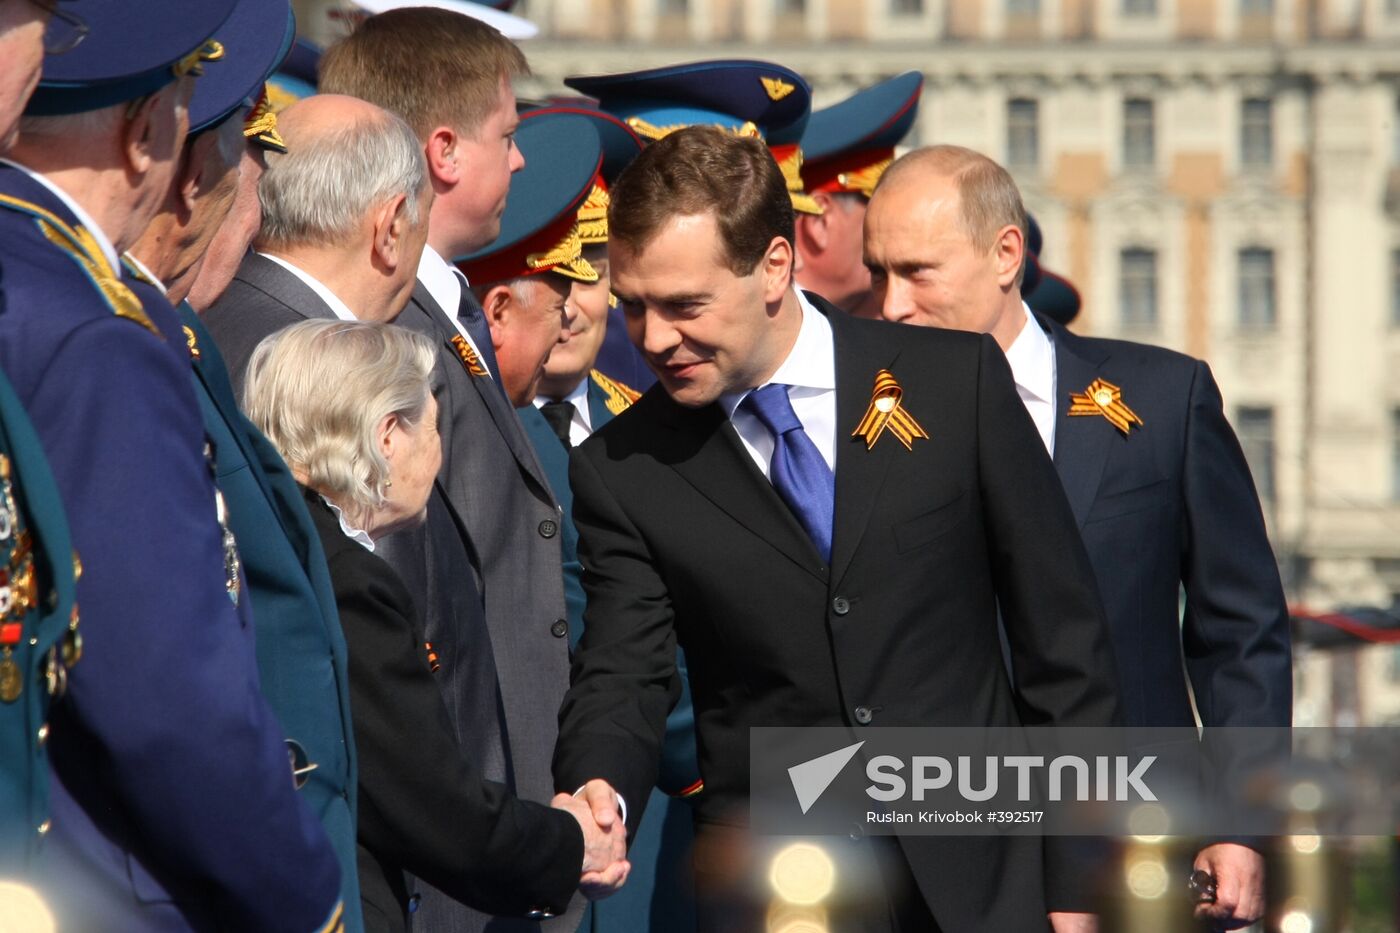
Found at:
(442, 280)
(359, 536)
(1032, 359)
(339, 308)
(145, 270)
(578, 397)
(84, 218)
(811, 364)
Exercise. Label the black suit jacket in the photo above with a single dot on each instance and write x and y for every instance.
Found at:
(683, 540)
(424, 807)
(1168, 505)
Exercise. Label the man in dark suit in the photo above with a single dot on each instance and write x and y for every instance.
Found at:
(353, 261)
(449, 77)
(824, 571)
(1158, 485)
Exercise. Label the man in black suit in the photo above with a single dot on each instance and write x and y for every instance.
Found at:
(1159, 487)
(812, 577)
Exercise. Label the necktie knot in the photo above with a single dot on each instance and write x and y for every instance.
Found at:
(771, 405)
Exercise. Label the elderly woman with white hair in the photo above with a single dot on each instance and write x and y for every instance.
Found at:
(349, 406)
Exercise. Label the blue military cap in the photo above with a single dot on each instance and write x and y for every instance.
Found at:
(297, 76)
(256, 39)
(620, 147)
(130, 49)
(1046, 293)
(539, 229)
(756, 98)
(847, 146)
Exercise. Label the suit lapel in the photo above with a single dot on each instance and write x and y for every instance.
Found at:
(506, 420)
(860, 472)
(711, 458)
(1082, 444)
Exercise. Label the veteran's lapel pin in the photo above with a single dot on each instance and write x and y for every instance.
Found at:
(886, 411)
(1106, 399)
(468, 356)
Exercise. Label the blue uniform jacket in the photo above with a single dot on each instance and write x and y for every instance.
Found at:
(30, 510)
(656, 896)
(301, 648)
(173, 806)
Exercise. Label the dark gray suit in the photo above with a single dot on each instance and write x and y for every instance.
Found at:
(262, 299)
(495, 486)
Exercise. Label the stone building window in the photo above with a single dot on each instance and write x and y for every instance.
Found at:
(1140, 8)
(1139, 133)
(1256, 7)
(1257, 288)
(1256, 431)
(1257, 132)
(1137, 288)
(1395, 288)
(907, 7)
(1022, 133)
(1022, 7)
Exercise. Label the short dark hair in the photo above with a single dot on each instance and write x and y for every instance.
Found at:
(705, 170)
(431, 67)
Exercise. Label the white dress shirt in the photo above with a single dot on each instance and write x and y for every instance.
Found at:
(338, 307)
(581, 425)
(1032, 359)
(145, 270)
(810, 370)
(445, 283)
(358, 535)
(84, 218)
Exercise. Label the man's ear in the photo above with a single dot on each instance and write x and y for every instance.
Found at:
(777, 268)
(1009, 252)
(390, 226)
(813, 230)
(443, 150)
(195, 163)
(498, 303)
(138, 132)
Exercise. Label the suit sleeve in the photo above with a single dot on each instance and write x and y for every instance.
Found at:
(422, 805)
(1049, 601)
(624, 678)
(167, 690)
(1235, 629)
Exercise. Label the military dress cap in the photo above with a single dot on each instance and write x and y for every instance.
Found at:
(744, 96)
(256, 39)
(620, 146)
(847, 146)
(1047, 293)
(131, 49)
(296, 78)
(539, 229)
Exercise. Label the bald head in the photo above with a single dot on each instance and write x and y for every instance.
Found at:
(986, 196)
(945, 237)
(345, 158)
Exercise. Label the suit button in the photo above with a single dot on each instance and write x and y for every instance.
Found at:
(43, 735)
(549, 528)
(840, 605)
(559, 629)
(864, 715)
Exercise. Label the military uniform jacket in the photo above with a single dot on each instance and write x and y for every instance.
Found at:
(173, 806)
(685, 542)
(37, 556)
(300, 646)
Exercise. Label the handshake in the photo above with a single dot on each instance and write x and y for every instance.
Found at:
(597, 808)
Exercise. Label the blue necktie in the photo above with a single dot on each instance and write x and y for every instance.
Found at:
(798, 472)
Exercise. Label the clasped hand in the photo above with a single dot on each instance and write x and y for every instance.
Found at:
(605, 865)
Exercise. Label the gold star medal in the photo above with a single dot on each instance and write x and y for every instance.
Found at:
(886, 411)
(1106, 399)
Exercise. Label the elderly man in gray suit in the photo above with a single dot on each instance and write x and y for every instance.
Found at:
(344, 221)
(449, 77)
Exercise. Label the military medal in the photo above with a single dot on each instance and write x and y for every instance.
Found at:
(232, 566)
(1106, 399)
(886, 412)
(11, 681)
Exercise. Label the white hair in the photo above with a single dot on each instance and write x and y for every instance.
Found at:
(320, 191)
(319, 391)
